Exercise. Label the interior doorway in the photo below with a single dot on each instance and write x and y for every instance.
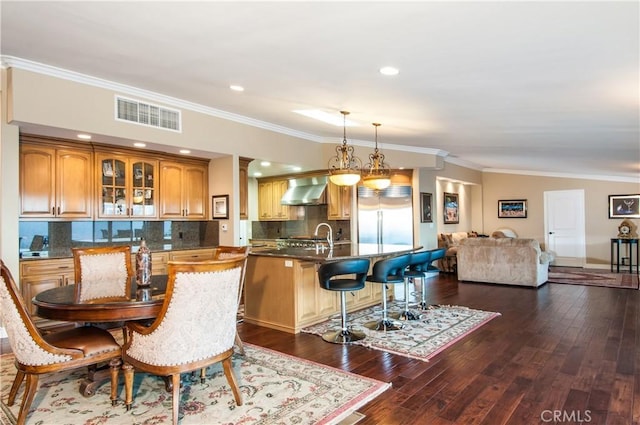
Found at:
(564, 226)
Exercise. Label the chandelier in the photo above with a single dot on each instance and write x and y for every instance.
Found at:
(378, 176)
(344, 168)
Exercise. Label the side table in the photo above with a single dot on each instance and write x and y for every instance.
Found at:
(616, 244)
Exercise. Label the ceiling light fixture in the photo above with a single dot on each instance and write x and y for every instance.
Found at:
(389, 70)
(344, 168)
(378, 176)
(236, 87)
(84, 136)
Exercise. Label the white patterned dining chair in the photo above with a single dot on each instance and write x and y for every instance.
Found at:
(102, 273)
(37, 354)
(195, 328)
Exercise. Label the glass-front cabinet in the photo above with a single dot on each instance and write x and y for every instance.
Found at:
(127, 187)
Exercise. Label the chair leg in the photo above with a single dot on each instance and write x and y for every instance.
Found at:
(344, 335)
(175, 401)
(407, 314)
(128, 385)
(14, 388)
(239, 344)
(203, 375)
(114, 365)
(385, 324)
(227, 366)
(29, 392)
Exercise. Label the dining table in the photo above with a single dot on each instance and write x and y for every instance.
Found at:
(59, 304)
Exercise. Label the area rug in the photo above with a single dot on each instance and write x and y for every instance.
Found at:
(593, 277)
(438, 328)
(276, 389)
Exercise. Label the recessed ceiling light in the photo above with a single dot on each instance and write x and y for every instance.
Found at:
(236, 87)
(257, 174)
(139, 145)
(265, 163)
(185, 151)
(389, 70)
(84, 136)
(294, 168)
(329, 118)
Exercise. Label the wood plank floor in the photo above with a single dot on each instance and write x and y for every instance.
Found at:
(561, 354)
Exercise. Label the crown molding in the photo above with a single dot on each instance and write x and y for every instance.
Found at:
(620, 179)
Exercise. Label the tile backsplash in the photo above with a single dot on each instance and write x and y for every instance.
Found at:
(311, 215)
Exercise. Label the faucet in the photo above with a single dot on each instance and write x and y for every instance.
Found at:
(329, 233)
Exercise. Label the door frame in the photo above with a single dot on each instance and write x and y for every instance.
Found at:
(580, 237)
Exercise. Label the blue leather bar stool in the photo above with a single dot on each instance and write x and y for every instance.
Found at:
(418, 265)
(386, 271)
(436, 254)
(327, 273)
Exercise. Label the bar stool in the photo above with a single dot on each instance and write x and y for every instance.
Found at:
(385, 271)
(418, 265)
(326, 277)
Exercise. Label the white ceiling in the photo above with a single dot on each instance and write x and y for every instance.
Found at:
(549, 87)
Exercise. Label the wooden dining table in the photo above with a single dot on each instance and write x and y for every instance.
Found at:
(59, 304)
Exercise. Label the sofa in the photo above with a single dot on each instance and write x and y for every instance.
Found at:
(450, 242)
(511, 261)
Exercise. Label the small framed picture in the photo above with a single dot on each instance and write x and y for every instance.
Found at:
(451, 212)
(513, 208)
(624, 206)
(220, 206)
(425, 207)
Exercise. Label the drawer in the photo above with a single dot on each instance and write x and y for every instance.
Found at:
(40, 267)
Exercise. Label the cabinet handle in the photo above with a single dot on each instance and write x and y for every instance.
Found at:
(58, 210)
(53, 210)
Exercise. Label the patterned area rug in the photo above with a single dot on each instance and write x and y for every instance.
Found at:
(276, 389)
(438, 328)
(593, 277)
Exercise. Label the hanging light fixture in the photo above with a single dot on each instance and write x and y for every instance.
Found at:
(344, 168)
(378, 176)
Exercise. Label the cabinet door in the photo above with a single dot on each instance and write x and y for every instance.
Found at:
(32, 286)
(280, 212)
(143, 188)
(113, 176)
(40, 275)
(312, 302)
(74, 184)
(265, 200)
(37, 181)
(195, 192)
(339, 202)
(171, 183)
(192, 255)
(244, 188)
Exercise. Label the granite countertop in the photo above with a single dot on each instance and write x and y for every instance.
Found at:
(339, 252)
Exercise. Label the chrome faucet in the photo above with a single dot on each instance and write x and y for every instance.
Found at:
(329, 234)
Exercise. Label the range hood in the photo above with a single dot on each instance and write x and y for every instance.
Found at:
(306, 191)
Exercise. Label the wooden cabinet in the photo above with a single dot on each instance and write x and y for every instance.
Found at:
(192, 255)
(127, 187)
(244, 187)
(270, 193)
(183, 191)
(158, 263)
(40, 275)
(55, 182)
(339, 202)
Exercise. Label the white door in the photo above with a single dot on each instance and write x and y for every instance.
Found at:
(564, 225)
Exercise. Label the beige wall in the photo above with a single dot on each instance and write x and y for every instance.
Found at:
(599, 228)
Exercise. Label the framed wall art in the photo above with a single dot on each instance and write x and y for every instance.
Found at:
(425, 207)
(451, 209)
(624, 206)
(220, 206)
(512, 208)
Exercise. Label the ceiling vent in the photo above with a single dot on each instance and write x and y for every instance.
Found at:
(147, 114)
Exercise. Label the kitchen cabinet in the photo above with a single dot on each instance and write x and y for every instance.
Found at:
(192, 255)
(39, 275)
(158, 263)
(127, 187)
(183, 190)
(244, 187)
(270, 193)
(339, 202)
(55, 183)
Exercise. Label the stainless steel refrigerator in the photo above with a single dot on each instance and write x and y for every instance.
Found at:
(385, 217)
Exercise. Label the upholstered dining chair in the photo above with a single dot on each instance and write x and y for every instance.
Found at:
(223, 252)
(37, 354)
(102, 273)
(195, 328)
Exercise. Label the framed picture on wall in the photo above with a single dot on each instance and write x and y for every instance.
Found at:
(425, 207)
(451, 208)
(624, 206)
(220, 206)
(514, 208)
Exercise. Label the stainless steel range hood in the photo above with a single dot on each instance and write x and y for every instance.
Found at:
(306, 191)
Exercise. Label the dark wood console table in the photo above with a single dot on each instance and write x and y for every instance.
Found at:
(616, 244)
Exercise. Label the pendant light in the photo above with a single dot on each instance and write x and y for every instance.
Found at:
(344, 168)
(378, 176)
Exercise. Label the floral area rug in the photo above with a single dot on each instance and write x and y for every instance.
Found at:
(593, 277)
(438, 328)
(276, 389)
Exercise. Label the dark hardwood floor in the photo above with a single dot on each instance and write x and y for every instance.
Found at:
(560, 354)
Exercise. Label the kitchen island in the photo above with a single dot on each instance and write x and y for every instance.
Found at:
(282, 289)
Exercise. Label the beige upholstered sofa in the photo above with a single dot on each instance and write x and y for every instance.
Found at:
(511, 261)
